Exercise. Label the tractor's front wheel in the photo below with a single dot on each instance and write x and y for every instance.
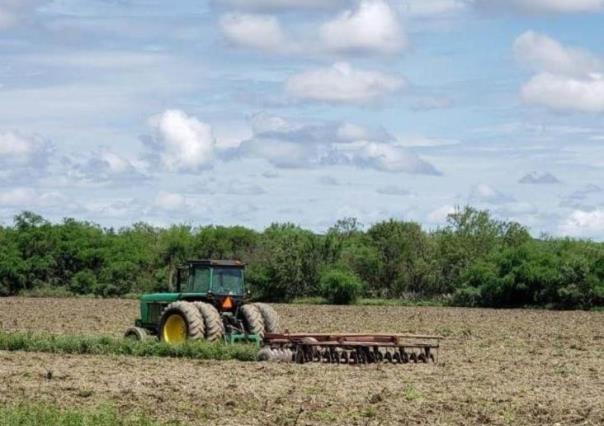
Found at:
(252, 319)
(136, 333)
(179, 322)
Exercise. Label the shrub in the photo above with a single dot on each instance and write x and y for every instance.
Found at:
(340, 288)
(467, 296)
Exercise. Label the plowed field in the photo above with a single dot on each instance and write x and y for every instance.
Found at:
(496, 367)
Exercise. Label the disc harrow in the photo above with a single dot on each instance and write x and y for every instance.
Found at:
(350, 348)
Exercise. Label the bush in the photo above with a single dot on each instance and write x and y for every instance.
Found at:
(340, 288)
(467, 296)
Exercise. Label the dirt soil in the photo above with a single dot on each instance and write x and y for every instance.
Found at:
(496, 367)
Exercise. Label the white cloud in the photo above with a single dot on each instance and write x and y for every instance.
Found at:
(584, 223)
(487, 194)
(568, 79)
(539, 178)
(27, 198)
(372, 27)
(441, 214)
(287, 144)
(342, 83)
(101, 166)
(388, 158)
(543, 53)
(170, 201)
(261, 32)
(565, 93)
(181, 143)
(541, 6)
(23, 156)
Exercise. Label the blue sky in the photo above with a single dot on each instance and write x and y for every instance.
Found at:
(254, 111)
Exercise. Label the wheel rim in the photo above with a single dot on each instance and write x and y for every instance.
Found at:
(175, 329)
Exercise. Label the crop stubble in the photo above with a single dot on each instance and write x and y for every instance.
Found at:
(496, 366)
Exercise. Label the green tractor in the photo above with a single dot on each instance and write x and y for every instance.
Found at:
(210, 302)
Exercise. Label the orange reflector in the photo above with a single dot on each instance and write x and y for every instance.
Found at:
(227, 303)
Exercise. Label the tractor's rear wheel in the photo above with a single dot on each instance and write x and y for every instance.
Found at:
(136, 333)
(214, 327)
(181, 321)
(269, 316)
(252, 319)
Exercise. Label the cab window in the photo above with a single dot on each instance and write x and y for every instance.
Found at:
(201, 280)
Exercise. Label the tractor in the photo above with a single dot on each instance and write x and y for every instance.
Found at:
(210, 302)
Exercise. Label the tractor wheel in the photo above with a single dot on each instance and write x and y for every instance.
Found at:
(212, 320)
(136, 333)
(269, 316)
(180, 321)
(252, 318)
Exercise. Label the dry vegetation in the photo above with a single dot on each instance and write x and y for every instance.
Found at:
(496, 366)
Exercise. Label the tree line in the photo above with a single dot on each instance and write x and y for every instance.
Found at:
(474, 260)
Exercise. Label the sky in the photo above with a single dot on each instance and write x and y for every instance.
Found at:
(251, 112)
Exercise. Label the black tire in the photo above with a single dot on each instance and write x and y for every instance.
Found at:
(214, 327)
(195, 328)
(252, 319)
(136, 333)
(269, 316)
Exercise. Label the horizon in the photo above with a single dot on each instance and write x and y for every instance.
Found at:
(232, 112)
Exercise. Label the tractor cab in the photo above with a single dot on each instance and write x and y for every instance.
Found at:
(212, 277)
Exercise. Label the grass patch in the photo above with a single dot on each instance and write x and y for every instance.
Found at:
(101, 345)
(37, 414)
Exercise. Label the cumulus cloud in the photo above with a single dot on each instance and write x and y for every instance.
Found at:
(388, 158)
(441, 214)
(27, 198)
(262, 32)
(180, 143)
(568, 79)
(487, 194)
(563, 93)
(372, 27)
(539, 178)
(102, 166)
(543, 53)
(287, 144)
(582, 223)
(342, 83)
(23, 155)
(541, 6)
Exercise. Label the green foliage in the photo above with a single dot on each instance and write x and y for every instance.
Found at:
(95, 345)
(30, 414)
(475, 260)
(340, 287)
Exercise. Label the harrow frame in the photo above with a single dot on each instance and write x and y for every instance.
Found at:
(351, 348)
